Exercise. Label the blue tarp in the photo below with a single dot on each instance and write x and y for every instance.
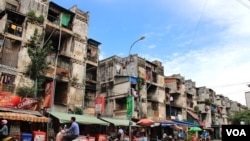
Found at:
(133, 80)
(178, 122)
(167, 124)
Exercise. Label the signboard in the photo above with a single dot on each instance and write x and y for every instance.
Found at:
(14, 101)
(99, 104)
(130, 106)
(48, 95)
(9, 101)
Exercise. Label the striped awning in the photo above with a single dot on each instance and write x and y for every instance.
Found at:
(23, 117)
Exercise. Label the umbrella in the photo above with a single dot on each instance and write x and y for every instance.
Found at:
(145, 122)
(195, 129)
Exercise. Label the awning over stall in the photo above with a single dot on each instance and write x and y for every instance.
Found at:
(119, 122)
(21, 111)
(23, 117)
(82, 119)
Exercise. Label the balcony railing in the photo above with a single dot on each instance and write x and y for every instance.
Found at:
(7, 87)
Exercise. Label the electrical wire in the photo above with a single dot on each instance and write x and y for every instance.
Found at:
(229, 85)
(240, 1)
(198, 24)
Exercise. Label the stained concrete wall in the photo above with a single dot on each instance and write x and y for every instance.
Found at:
(39, 6)
(122, 88)
(79, 50)
(78, 72)
(2, 5)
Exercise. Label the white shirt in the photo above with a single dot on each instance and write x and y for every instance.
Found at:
(121, 131)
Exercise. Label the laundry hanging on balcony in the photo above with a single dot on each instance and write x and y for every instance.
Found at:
(65, 19)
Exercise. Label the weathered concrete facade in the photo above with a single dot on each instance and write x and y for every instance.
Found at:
(73, 57)
(120, 77)
(176, 97)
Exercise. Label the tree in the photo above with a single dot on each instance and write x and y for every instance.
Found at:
(38, 52)
(239, 116)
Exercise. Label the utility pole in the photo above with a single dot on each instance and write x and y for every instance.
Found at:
(129, 93)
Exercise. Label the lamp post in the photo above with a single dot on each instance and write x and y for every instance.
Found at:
(130, 122)
(141, 38)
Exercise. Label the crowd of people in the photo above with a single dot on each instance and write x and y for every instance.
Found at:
(181, 136)
(178, 135)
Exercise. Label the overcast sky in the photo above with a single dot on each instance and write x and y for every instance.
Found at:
(203, 40)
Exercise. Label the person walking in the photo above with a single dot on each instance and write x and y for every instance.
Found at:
(120, 134)
(74, 129)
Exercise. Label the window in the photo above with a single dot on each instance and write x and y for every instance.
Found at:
(7, 82)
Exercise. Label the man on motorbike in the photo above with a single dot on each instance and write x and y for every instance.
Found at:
(74, 129)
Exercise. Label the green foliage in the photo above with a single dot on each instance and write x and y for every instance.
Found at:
(208, 102)
(40, 19)
(33, 18)
(38, 53)
(141, 82)
(196, 108)
(239, 116)
(78, 110)
(32, 15)
(25, 91)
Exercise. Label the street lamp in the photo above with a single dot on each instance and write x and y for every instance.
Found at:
(130, 122)
(142, 37)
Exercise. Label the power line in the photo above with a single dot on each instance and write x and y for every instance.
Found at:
(229, 85)
(235, 92)
(198, 24)
(242, 3)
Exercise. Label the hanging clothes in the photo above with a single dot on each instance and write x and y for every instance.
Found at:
(65, 19)
(13, 26)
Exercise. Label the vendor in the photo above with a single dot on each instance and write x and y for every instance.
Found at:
(4, 130)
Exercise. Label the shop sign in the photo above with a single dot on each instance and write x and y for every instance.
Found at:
(130, 106)
(13, 101)
(49, 88)
(99, 104)
(9, 101)
(28, 104)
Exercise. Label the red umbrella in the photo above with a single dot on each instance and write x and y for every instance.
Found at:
(145, 122)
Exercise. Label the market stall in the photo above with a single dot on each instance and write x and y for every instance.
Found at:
(23, 122)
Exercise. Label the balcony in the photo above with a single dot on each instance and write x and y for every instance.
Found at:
(14, 29)
(7, 87)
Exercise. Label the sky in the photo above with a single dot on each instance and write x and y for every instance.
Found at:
(207, 41)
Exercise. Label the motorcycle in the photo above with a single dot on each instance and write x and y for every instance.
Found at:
(61, 133)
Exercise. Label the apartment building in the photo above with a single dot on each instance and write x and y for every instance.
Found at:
(247, 96)
(136, 77)
(73, 60)
(176, 102)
